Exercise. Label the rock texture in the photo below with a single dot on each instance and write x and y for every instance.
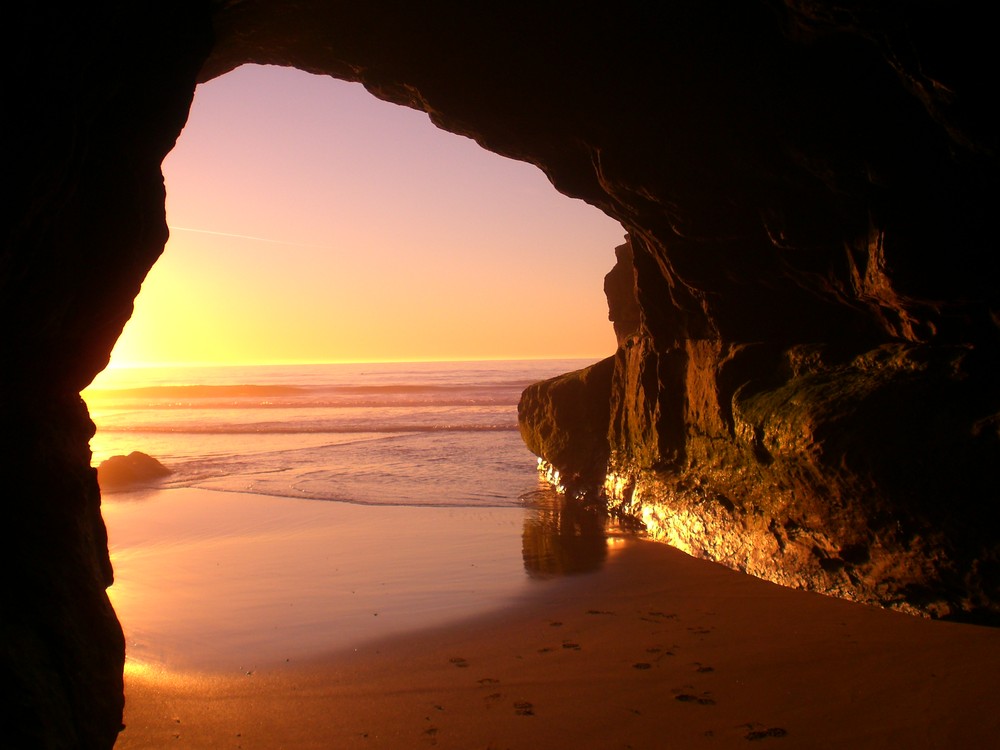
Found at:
(807, 304)
(855, 470)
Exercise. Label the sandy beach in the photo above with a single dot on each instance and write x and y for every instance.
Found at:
(231, 582)
(652, 650)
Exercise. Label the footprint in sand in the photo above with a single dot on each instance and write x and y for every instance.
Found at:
(570, 645)
(763, 734)
(701, 700)
(524, 708)
(458, 661)
(657, 617)
(488, 681)
(599, 612)
(642, 665)
(659, 651)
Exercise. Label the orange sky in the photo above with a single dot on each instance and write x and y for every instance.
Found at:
(311, 222)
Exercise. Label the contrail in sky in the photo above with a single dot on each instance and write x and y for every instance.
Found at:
(243, 237)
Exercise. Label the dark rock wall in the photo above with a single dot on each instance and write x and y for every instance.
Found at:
(95, 95)
(806, 306)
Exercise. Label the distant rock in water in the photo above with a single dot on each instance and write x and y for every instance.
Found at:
(120, 472)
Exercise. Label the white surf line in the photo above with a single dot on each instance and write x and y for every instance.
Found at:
(243, 237)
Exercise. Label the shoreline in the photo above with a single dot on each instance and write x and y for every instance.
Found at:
(653, 649)
(204, 578)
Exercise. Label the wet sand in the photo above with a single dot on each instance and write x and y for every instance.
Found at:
(234, 581)
(652, 650)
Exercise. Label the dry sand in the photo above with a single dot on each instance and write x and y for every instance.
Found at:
(655, 650)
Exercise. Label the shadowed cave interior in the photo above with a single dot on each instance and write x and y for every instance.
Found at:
(806, 308)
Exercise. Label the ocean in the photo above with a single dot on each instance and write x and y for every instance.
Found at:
(315, 508)
(419, 434)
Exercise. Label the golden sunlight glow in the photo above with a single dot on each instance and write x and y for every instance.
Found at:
(311, 222)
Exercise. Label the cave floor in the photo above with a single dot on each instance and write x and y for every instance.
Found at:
(655, 649)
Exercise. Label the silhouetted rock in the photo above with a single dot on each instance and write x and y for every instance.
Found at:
(122, 472)
(95, 94)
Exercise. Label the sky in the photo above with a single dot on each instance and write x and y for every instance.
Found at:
(311, 222)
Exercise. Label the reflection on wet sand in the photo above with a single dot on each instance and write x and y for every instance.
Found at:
(226, 581)
(564, 537)
(230, 581)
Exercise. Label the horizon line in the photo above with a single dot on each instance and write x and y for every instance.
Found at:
(307, 362)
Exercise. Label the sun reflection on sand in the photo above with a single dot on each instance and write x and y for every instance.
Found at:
(230, 582)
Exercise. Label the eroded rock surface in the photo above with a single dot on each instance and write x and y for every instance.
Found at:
(856, 471)
(852, 467)
(861, 472)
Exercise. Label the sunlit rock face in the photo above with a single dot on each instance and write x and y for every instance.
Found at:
(861, 471)
(858, 468)
(806, 308)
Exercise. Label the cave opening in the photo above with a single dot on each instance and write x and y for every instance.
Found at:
(312, 222)
(348, 307)
(730, 145)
